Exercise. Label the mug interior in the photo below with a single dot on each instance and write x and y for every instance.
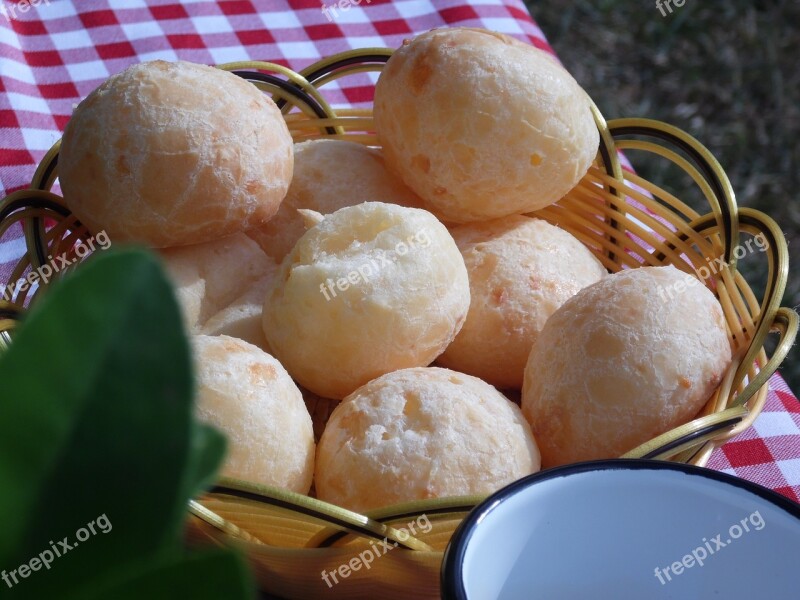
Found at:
(627, 529)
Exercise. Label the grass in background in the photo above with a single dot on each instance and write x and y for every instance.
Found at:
(724, 72)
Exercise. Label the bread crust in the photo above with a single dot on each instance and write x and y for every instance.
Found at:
(250, 397)
(329, 175)
(481, 125)
(422, 433)
(211, 276)
(373, 288)
(521, 270)
(622, 362)
(170, 154)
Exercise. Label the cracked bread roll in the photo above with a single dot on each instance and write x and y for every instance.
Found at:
(211, 276)
(249, 396)
(421, 433)
(329, 175)
(170, 154)
(481, 125)
(621, 363)
(520, 271)
(371, 289)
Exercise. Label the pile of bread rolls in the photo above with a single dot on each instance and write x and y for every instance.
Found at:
(404, 284)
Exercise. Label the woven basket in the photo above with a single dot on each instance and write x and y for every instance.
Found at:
(301, 547)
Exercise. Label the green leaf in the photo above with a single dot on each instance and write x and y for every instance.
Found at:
(205, 459)
(208, 576)
(96, 419)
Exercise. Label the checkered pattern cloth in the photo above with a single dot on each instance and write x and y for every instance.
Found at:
(54, 52)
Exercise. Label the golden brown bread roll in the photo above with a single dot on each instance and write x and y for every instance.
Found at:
(242, 317)
(373, 288)
(250, 397)
(211, 276)
(520, 271)
(620, 363)
(421, 433)
(481, 125)
(329, 175)
(175, 153)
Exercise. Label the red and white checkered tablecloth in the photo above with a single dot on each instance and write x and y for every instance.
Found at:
(54, 52)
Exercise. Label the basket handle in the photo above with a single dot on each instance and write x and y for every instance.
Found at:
(694, 433)
(334, 515)
(719, 193)
(786, 323)
(431, 508)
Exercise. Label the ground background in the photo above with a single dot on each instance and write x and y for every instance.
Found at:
(725, 72)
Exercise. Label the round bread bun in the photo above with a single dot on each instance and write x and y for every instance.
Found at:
(249, 396)
(211, 276)
(242, 317)
(421, 433)
(621, 363)
(373, 288)
(520, 271)
(329, 175)
(481, 125)
(175, 153)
